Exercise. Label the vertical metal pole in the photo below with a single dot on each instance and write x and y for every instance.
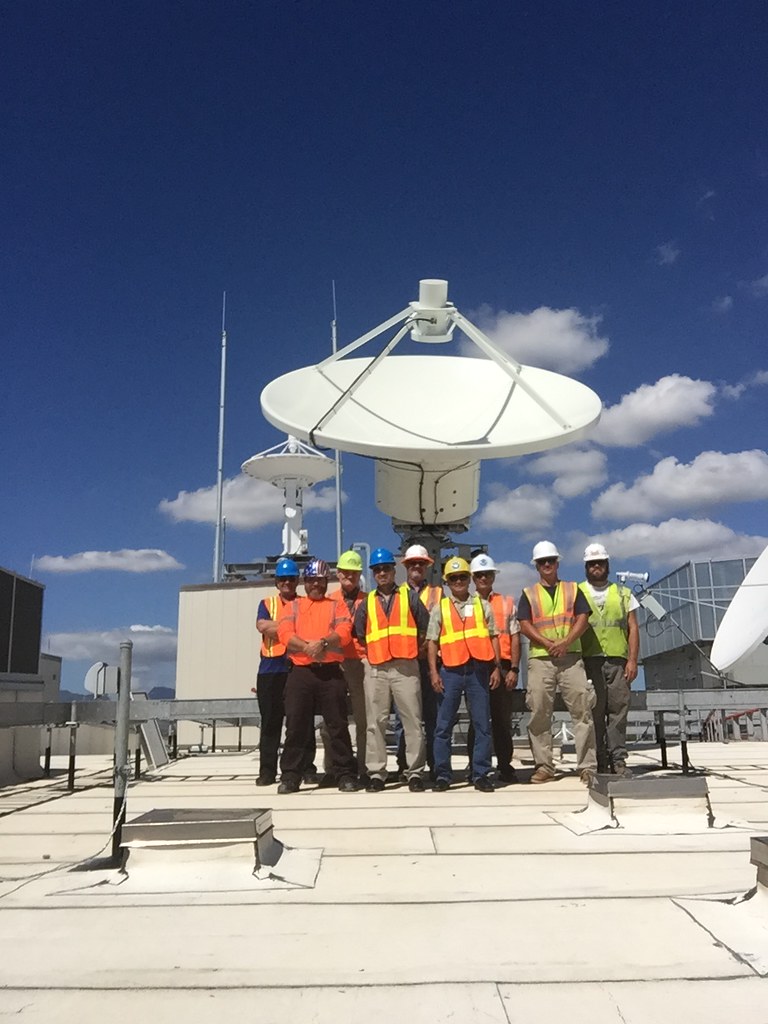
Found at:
(683, 728)
(661, 738)
(239, 735)
(339, 521)
(122, 763)
(175, 741)
(218, 542)
(213, 736)
(47, 761)
(137, 760)
(72, 748)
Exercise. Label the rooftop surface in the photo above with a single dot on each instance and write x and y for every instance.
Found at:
(426, 907)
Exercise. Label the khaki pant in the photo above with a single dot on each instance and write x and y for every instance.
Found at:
(545, 677)
(397, 680)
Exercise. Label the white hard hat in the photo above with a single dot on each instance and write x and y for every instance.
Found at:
(417, 553)
(482, 563)
(595, 553)
(544, 549)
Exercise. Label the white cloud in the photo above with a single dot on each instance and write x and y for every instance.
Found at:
(667, 253)
(523, 509)
(247, 503)
(759, 377)
(759, 287)
(576, 471)
(153, 648)
(722, 304)
(713, 478)
(513, 576)
(558, 339)
(672, 402)
(674, 542)
(125, 560)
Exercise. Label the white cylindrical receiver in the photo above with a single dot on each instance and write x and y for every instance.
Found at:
(433, 293)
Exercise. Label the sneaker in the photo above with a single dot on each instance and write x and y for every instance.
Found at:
(587, 777)
(310, 779)
(348, 785)
(441, 785)
(266, 780)
(484, 785)
(287, 787)
(543, 774)
(416, 784)
(375, 786)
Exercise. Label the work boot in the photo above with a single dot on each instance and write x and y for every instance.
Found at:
(543, 774)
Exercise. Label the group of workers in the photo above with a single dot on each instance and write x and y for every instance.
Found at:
(418, 649)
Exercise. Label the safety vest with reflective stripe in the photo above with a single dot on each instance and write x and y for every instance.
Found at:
(394, 635)
(429, 596)
(608, 631)
(273, 648)
(354, 649)
(552, 617)
(503, 607)
(462, 639)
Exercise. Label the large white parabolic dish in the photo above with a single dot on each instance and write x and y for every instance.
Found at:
(431, 410)
(745, 623)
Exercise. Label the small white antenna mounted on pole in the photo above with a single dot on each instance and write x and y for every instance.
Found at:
(337, 453)
(218, 542)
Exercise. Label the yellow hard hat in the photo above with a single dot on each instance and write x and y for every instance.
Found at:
(455, 565)
(351, 561)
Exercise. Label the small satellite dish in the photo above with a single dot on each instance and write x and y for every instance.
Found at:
(745, 623)
(100, 679)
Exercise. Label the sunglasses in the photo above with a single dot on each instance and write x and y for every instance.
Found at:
(382, 568)
(459, 577)
(418, 565)
(546, 561)
(482, 575)
(598, 562)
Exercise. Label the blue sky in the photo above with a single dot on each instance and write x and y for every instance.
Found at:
(591, 179)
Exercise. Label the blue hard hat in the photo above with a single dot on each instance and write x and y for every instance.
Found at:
(286, 567)
(381, 556)
(316, 567)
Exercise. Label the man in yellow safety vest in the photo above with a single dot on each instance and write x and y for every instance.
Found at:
(610, 648)
(554, 614)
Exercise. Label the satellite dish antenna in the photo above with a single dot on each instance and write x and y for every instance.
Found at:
(101, 679)
(745, 623)
(428, 453)
(291, 466)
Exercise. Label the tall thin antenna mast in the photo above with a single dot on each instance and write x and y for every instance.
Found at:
(339, 523)
(219, 541)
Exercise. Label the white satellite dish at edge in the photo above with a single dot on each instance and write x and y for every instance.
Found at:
(745, 623)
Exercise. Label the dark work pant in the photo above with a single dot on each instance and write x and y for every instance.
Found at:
(428, 714)
(270, 693)
(501, 727)
(310, 690)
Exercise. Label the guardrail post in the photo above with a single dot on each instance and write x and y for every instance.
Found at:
(122, 763)
(47, 761)
(72, 748)
(239, 735)
(661, 737)
(213, 736)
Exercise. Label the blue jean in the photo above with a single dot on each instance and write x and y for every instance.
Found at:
(472, 681)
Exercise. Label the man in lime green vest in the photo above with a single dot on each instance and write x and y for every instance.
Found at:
(554, 614)
(609, 648)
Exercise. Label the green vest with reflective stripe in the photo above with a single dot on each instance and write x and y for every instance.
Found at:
(607, 633)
